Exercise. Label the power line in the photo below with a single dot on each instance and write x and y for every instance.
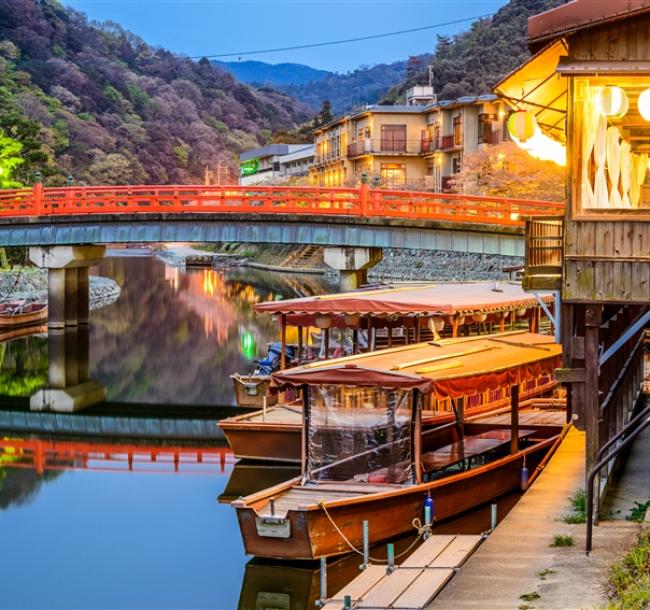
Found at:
(345, 41)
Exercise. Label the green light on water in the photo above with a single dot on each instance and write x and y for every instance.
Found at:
(248, 346)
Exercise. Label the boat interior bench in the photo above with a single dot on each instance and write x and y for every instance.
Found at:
(470, 448)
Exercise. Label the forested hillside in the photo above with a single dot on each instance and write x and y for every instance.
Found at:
(262, 73)
(98, 103)
(467, 63)
(344, 91)
(473, 61)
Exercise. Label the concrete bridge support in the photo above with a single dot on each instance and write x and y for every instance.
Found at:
(69, 385)
(352, 263)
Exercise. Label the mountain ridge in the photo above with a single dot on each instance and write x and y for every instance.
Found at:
(96, 102)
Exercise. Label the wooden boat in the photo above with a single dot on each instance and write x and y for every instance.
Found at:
(388, 316)
(15, 314)
(275, 434)
(366, 456)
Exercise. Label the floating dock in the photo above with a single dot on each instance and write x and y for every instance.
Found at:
(411, 585)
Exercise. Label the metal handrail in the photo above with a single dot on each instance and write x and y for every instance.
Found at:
(596, 469)
(612, 440)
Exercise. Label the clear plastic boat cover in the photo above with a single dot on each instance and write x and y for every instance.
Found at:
(360, 434)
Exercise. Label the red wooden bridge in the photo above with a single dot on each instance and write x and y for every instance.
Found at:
(261, 214)
(360, 202)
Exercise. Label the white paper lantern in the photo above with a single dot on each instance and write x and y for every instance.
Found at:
(436, 324)
(323, 321)
(612, 101)
(521, 312)
(644, 104)
(479, 317)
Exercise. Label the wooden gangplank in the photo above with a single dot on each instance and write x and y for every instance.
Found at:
(413, 584)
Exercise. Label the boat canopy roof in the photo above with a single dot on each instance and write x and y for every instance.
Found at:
(450, 367)
(423, 299)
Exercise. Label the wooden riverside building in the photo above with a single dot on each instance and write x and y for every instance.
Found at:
(588, 86)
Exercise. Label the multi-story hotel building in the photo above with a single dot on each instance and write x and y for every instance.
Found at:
(420, 144)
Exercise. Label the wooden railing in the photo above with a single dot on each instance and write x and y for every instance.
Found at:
(544, 238)
(267, 200)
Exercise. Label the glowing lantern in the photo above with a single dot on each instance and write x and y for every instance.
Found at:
(436, 324)
(521, 312)
(522, 125)
(351, 319)
(612, 101)
(644, 104)
(323, 321)
(479, 317)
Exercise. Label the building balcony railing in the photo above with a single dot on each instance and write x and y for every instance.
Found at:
(429, 146)
(544, 240)
(490, 137)
(319, 159)
(385, 147)
(451, 142)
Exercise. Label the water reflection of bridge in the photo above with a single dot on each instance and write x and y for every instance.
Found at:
(42, 455)
(117, 420)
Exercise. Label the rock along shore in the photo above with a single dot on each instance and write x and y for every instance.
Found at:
(31, 284)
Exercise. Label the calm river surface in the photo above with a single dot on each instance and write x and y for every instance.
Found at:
(121, 521)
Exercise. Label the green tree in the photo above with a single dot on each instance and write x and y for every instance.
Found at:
(10, 159)
(325, 115)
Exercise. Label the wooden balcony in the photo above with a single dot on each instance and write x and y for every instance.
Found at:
(544, 251)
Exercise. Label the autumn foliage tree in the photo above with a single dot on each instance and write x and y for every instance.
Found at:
(506, 170)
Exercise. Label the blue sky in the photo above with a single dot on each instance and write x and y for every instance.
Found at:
(198, 27)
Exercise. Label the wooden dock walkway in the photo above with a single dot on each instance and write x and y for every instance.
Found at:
(413, 584)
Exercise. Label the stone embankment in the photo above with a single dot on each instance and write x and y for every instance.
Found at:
(31, 285)
(419, 265)
(397, 264)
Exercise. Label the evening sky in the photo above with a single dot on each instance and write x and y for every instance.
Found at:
(207, 27)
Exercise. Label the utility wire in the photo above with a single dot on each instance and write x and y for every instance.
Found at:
(347, 40)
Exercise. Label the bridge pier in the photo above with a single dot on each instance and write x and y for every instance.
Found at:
(69, 385)
(352, 263)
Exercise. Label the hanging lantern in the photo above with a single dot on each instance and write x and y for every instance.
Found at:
(612, 101)
(323, 321)
(351, 319)
(644, 104)
(522, 125)
(436, 324)
(521, 312)
(479, 317)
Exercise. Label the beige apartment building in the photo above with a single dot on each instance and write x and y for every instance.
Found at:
(417, 145)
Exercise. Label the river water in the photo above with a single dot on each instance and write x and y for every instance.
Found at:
(124, 519)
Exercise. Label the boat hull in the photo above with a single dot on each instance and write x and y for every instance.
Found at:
(37, 316)
(390, 514)
(251, 439)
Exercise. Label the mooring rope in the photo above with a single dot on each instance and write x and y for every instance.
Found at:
(422, 530)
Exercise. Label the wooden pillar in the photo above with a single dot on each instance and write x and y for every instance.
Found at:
(326, 340)
(591, 399)
(514, 418)
(459, 404)
(283, 341)
(355, 341)
(389, 332)
(417, 329)
(417, 436)
(299, 345)
(369, 331)
(502, 322)
(454, 328)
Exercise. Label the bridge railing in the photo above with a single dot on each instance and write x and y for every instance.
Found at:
(362, 202)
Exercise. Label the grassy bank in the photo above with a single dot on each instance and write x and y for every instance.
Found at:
(629, 579)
